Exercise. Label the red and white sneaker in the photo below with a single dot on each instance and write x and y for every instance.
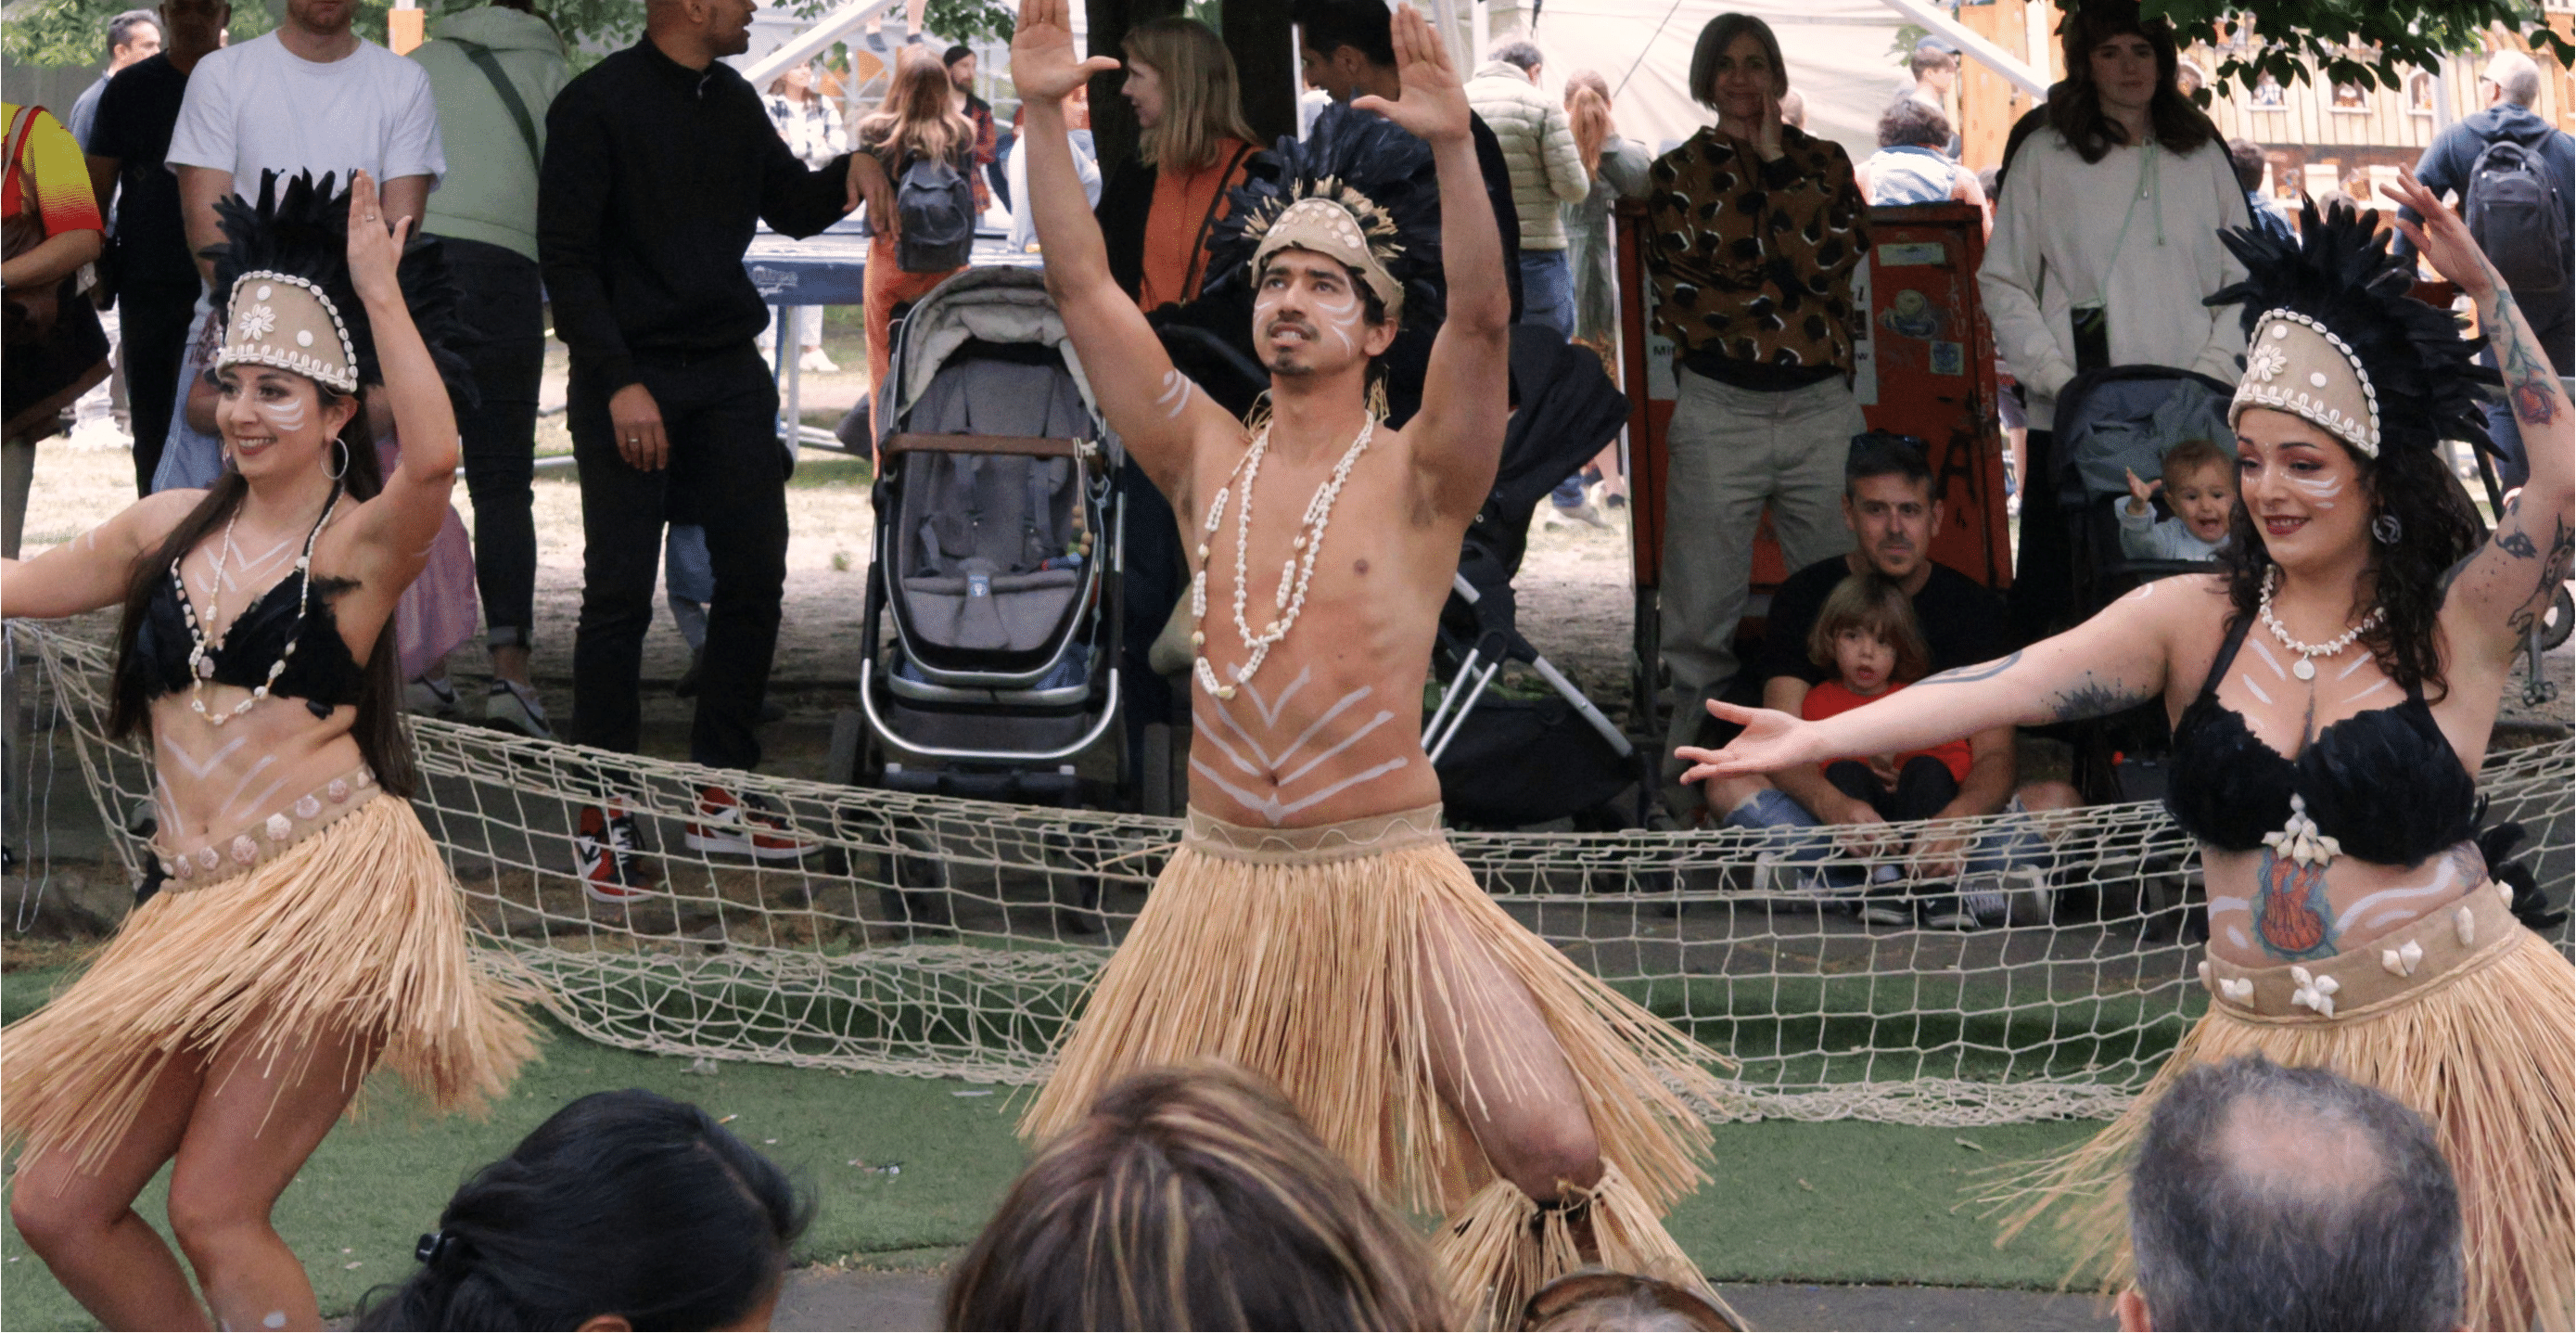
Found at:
(606, 848)
(727, 825)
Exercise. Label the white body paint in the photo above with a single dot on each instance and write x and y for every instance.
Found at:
(2248, 678)
(1266, 713)
(2320, 493)
(2445, 879)
(2268, 659)
(1175, 397)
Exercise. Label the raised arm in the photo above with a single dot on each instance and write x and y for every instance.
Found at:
(2118, 659)
(2496, 594)
(1466, 390)
(398, 524)
(1157, 411)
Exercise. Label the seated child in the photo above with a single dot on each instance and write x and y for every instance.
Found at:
(2200, 483)
(1866, 635)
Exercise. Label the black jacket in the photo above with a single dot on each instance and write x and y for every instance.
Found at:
(654, 176)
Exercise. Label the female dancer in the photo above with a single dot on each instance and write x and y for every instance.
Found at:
(297, 926)
(2332, 692)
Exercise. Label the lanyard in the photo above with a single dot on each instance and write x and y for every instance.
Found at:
(2148, 179)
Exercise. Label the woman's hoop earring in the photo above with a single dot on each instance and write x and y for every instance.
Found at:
(2386, 529)
(343, 446)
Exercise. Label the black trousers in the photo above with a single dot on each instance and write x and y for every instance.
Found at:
(2042, 600)
(1923, 787)
(504, 303)
(152, 324)
(720, 411)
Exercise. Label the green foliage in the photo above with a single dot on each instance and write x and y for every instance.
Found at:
(2364, 42)
(968, 20)
(1900, 48)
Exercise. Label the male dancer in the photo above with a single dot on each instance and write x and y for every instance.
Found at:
(1314, 925)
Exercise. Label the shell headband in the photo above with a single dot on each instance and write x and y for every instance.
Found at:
(1339, 221)
(278, 319)
(2295, 364)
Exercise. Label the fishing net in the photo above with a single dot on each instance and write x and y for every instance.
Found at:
(936, 936)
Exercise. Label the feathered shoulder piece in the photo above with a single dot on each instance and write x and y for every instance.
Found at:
(1359, 188)
(283, 267)
(2333, 336)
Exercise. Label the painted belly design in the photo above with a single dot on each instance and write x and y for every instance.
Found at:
(2290, 909)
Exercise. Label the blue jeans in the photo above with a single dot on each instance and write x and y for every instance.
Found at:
(1547, 290)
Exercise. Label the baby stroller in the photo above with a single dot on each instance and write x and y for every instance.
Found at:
(989, 649)
(1509, 762)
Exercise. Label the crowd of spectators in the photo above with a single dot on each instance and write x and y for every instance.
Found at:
(547, 188)
(2261, 1197)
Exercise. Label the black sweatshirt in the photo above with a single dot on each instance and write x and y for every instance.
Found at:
(654, 174)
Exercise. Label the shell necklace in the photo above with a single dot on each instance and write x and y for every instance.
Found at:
(201, 662)
(2306, 667)
(1294, 576)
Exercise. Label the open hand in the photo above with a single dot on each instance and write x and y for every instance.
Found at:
(375, 253)
(1771, 741)
(1433, 106)
(2140, 491)
(1043, 67)
(2442, 237)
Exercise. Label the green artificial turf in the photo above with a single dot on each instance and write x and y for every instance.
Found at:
(1838, 1202)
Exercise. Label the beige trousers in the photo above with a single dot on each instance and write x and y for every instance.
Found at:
(1732, 451)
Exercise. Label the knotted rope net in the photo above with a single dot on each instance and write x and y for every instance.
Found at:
(941, 937)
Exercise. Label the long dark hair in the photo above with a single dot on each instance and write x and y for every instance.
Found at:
(2437, 529)
(625, 1203)
(2075, 105)
(378, 730)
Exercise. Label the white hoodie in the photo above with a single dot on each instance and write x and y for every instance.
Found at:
(2056, 229)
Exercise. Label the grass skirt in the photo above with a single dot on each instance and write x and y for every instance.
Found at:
(1300, 954)
(2479, 1038)
(353, 930)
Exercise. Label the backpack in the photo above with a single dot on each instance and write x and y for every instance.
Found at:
(2517, 217)
(935, 209)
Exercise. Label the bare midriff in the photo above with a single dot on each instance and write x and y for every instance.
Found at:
(2266, 910)
(211, 781)
(1330, 726)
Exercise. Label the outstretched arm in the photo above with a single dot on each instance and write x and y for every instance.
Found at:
(95, 568)
(1458, 434)
(2496, 594)
(1157, 411)
(2117, 660)
(398, 524)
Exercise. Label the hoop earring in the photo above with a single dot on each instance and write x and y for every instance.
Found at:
(2386, 528)
(343, 446)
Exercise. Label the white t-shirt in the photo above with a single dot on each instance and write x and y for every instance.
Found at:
(258, 106)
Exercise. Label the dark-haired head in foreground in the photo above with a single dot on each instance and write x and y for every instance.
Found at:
(1192, 1197)
(624, 1210)
(2273, 1198)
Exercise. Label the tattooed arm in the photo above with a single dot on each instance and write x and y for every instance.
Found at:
(2495, 594)
(2116, 660)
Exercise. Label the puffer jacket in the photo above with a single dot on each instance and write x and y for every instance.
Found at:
(1538, 146)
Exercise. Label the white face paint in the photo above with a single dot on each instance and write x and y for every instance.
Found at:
(1339, 318)
(2321, 491)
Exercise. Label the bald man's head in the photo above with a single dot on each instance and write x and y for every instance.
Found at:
(2266, 1197)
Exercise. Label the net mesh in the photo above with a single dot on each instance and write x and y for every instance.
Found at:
(936, 936)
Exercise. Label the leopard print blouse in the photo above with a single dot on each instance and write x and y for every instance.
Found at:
(1752, 260)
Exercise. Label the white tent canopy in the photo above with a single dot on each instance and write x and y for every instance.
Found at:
(1838, 53)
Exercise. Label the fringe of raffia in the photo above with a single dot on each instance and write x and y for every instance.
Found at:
(355, 930)
(2489, 1059)
(1313, 975)
(1500, 1249)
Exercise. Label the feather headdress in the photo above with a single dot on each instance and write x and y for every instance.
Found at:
(1359, 188)
(289, 303)
(2333, 336)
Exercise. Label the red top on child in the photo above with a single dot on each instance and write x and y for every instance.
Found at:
(1831, 697)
